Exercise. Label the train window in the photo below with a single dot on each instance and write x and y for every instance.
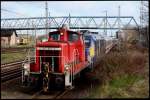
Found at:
(87, 41)
(72, 36)
(87, 38)
(55, 36)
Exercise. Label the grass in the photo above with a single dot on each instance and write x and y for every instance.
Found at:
(120, 86)
(125, 86)
(10, 57)
(124, 74)
(124, 81)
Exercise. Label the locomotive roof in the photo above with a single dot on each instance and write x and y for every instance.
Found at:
(88, 32)
(94, 36)
(84, 31)
(66, 30)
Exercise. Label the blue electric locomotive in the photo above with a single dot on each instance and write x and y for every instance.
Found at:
(93, 47)
(96, 47)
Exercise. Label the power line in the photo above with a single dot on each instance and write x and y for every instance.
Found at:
(10, 11)
(37, 6)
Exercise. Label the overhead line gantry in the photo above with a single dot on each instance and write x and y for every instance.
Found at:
(75, 22)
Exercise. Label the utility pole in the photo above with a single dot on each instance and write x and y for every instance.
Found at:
(34, 26)
(34, 32)
(119, 18)
(105, 24)
(46, 14)
(49, 21)
(119, 30)
(69, 20)
(27, 34)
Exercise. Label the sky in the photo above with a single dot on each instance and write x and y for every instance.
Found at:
(75, 8)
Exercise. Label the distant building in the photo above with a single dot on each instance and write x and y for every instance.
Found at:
(8, 37)
(127, 35)
(24, 38)
(42, 38)
(121, 35)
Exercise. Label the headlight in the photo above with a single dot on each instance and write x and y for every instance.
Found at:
(26, 66)
(26, 69)
(66, 67)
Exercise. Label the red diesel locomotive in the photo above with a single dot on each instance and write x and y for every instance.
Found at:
(57, 61)
(65, 55)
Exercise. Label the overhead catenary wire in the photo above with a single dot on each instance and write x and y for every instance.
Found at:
(14, 12)
(37, 6)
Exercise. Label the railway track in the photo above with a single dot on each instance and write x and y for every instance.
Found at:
(61, 94)
(15, 50)
(11, 70)
(5, 65)
(55, 95)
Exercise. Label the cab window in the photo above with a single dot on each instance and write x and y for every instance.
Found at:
(72, 36)
(87, 41)
(55, 36)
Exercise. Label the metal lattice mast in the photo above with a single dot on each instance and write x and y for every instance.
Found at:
(49, 21)
(119, 27)
(141, 20)
(105, 24)
(46, 15)
(144, 19)
(69, 21)
(119, 18)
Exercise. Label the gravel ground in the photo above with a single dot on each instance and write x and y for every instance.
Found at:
(13, 90)
(82, 87)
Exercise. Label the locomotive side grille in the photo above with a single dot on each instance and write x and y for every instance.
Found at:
(48, 48)
(48, 53)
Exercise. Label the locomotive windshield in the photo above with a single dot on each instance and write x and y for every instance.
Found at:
(55, 36)
(87, 41)
(72, 36)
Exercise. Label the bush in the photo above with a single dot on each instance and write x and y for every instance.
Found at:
(122, 74)
(118, 63)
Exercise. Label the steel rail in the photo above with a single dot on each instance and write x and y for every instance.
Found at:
(14, 63)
